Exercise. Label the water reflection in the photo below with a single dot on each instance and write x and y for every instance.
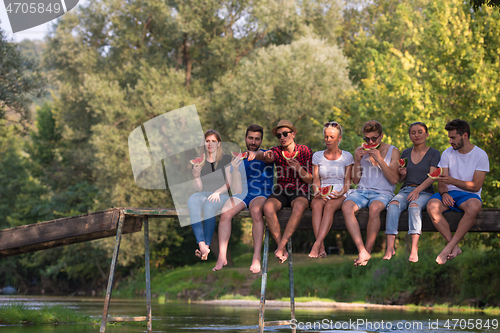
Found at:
(186, 318)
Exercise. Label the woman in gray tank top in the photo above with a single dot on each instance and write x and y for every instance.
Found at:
(416, 190)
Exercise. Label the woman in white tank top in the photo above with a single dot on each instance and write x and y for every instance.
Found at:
(330, 167)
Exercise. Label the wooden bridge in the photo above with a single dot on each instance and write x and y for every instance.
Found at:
(118, 221)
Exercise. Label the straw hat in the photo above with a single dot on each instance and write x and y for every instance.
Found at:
(284, 123)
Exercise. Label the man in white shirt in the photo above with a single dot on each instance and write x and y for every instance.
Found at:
(464, 168)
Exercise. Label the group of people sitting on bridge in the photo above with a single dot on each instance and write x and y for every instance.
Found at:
(300, 175)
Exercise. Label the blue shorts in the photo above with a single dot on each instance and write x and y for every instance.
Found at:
(248, 198)
(364, 198)
(459, 197)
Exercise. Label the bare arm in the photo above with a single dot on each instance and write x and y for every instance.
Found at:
(390, 171)
(234, 178)
(266, 156)
(316, 183)
(198, 185)
(356, 169)
(347, 179)
(471, 186)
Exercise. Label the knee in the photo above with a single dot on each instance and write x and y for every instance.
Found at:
(375, 208)
(472, 208)
(414, 205)
(433, 206)
(268, 208)
(393, 205)
(256, 210)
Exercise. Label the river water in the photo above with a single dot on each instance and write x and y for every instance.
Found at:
(192, 317)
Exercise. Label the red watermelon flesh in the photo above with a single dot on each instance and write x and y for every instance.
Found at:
(435, 174)
(403, 162)
(240, 155)
(367, 146)
(325, 191)
(289, 156)
(198, 161)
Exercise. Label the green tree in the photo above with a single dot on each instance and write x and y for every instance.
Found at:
(20, 77)
(301, 82)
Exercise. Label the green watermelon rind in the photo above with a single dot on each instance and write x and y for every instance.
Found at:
(435, 177)
(245, 154)
(194, 159)
(405, 164)
(289, 158)
(364, 145)
(330, 189)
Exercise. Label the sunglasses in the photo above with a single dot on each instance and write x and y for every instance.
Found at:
(285, 134)
(333, 124)
(367, 140)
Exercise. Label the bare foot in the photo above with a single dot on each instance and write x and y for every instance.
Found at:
(363, 258)
(203, 252)
(281, 255)
(413, 257)
(255, 267)
(219, 265)
(442, 258)
(456, 251)
(388, 254)
(322, 254)
(314, 251)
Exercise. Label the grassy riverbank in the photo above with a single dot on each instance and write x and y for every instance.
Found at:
(20, 314)
(471, 280)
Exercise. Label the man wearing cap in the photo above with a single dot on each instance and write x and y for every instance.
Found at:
(292, 190)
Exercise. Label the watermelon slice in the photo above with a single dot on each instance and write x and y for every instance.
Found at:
(198, 161)
(403, 162)
(435, 174)
(240, 155)
(367, 146)
(325, 191)
(289, 156)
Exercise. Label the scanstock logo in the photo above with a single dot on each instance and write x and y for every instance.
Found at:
(25, 14)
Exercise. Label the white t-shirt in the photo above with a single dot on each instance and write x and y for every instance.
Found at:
(462, 166)
(332, 172)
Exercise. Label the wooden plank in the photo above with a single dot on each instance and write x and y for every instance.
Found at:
(123, 319)
(64, 231)
(488, 220)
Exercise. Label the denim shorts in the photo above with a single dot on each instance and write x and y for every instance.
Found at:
(364, 198)
(460, 197)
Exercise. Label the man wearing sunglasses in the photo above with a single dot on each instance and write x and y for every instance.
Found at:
(292, 190)
(376, 173)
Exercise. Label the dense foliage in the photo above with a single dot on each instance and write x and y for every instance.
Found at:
(115, 64)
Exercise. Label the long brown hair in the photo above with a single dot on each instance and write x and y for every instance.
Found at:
(218, 153)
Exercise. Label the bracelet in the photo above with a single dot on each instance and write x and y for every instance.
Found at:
(443, 193)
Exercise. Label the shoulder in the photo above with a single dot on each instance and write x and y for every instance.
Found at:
(480, 152)
(434, 151)
(318, 154)
(407, 151)
(304, 148)
(346, 154)
(448, 151)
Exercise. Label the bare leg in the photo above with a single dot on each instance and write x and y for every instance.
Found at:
(331, 207)
(299, 205)
(229, 210)
(414, 248)
(389, 252)
(471, 208)
(435, 208)
(317, 206)
(348, 209)
(271, 207)
(256, 208)
(373, 227)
